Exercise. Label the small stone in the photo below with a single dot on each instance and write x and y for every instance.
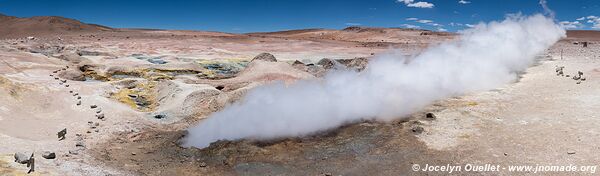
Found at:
(202, 164)
(578, 82)
(49, 155)
(417, 130)
(78, 103)
(93, 106)
(79, 97)
(98, 111)
(73, 152)
(583, 79)
(62, 134)
(70, 91)
(75, 94)
(568, 75)
(133, 153)
(96, 130)
(505, 154)
(21, 158)
(80, 144)
(327, 174)
(100, 116)
(570, 152)
(160, 116)
(430, 115)
(66, 85)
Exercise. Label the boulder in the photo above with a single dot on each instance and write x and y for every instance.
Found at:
(326, 63)
(21, 158)
(72, 74)
(297, 63)
(265, 57)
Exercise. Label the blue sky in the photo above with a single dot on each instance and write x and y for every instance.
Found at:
(239, 16)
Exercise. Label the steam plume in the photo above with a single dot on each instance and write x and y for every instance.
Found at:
(485, 57)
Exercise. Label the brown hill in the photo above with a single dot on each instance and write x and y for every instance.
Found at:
(583, 34)
(14, 27)
(361, 34)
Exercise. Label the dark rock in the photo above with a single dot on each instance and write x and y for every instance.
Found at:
(61, 134)
(80, 144)
(100, 116)
(49, 155)
(160, 116)
(430, 115)
(417, 129)
(326, 63)
(93, 106)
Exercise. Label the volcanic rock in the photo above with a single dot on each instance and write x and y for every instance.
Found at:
(49, 155)
(265, 57)
(21, 158)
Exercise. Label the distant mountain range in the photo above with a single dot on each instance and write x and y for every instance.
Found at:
(11, 27)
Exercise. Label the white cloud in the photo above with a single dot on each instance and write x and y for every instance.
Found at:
(464, 2)
(571, 24)
(469, 25)
(353, 24)
(579, 19)
(455, 24)
(424, 21)
(412, 19)
(419, 4)
(442, 29)
(595, 21)
(410, 26)
(428, 22)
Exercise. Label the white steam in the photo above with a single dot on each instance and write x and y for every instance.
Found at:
(485, 57)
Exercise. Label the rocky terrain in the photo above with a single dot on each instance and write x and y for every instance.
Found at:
(126, 96)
